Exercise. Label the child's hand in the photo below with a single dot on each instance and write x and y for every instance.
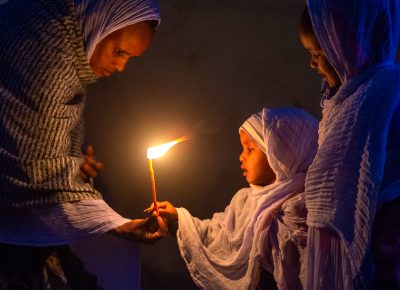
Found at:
(168, 212)
(165, 210)
(91, 166)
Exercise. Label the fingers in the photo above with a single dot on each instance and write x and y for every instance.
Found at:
(91, 159)
(88, 170)
(148, 230)
(89, 150)
(83, 175)
(91, 166)
(160, 233)
(93, 162)
(162, 227)
(149, 209)
(160, 205)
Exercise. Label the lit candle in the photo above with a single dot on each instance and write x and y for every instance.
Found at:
(157, 152)
(153, 185)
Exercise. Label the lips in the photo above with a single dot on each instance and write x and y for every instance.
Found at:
(244, 170)
(107, 73)
(321, 74)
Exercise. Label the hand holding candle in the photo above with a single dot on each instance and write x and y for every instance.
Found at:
(157, 152)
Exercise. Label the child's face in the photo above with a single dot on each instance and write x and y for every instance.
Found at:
(319, 62)
(254, 162)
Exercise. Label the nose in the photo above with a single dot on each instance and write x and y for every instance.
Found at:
(313, 63)
(241, 157)
(120, 65)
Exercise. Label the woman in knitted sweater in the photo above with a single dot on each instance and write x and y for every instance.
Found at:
(49, 52)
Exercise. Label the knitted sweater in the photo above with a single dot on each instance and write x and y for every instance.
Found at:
(43, 71)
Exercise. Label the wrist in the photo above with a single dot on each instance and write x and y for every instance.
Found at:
(173, 227)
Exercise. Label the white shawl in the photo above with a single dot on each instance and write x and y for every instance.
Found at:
(226, 252)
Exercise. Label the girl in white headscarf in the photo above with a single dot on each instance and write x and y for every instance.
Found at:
(264, 225)
(50, 51)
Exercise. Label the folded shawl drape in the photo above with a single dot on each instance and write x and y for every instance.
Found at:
(345, 181)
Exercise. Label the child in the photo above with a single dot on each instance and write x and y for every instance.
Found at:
(264, 225)
(356, 174)
(330, 79)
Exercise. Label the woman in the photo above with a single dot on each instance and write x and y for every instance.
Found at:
(356, 171)
(49, 51)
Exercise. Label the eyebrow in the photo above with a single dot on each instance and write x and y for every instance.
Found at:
(249, 142)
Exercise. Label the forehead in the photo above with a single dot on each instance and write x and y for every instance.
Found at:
(245, 139)
(310, 41)
(133, 38)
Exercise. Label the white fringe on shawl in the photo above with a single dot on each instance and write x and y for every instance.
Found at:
(226, 252)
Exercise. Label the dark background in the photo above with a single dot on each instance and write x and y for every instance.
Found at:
(216, 61)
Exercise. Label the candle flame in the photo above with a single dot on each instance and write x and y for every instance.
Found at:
(160, 150)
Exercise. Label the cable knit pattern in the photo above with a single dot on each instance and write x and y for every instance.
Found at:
(43, 70)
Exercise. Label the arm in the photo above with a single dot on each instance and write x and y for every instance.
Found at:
(148, 230)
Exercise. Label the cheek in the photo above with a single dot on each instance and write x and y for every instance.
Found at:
(326, 67)
(101, 56)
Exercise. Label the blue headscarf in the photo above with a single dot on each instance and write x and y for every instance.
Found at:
(356, 34)
(344, 182)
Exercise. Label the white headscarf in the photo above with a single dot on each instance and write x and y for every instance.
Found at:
(226, 251)
(99, 18)
(276, 132)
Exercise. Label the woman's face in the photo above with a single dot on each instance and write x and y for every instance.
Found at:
(319, 62)
(113, 52)
(255, 164)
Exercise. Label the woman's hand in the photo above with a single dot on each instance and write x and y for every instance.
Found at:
(148, 230)
(168, 212)
(91, 166)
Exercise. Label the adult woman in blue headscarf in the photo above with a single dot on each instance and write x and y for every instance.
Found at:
(356, 171)
(49, 51)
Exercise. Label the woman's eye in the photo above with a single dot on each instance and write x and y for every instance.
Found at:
(119, 52)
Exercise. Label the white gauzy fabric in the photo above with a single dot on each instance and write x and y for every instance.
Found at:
(82, 225)
(343, 185)
(226, 252)
(99, 18)
(57, 225)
